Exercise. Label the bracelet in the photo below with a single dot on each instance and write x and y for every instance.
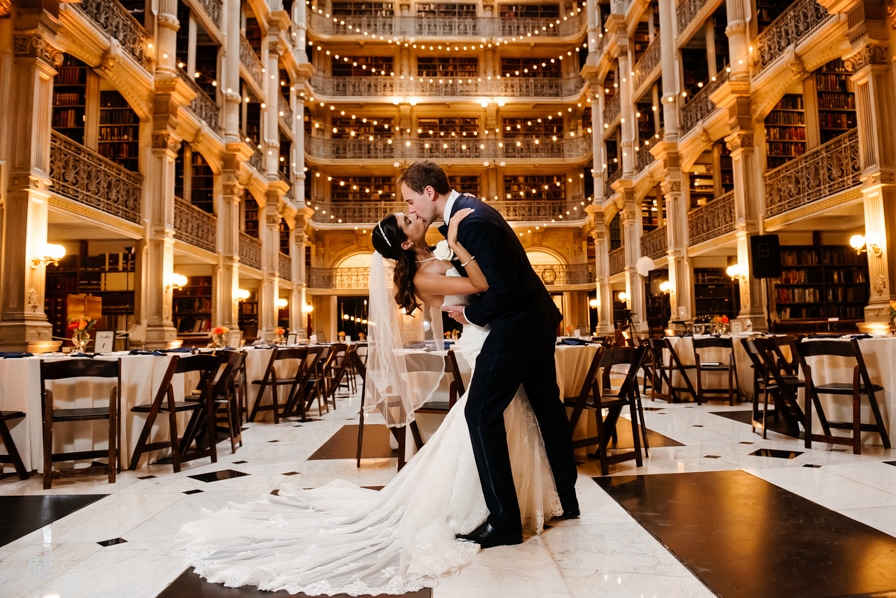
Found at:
(467, 263)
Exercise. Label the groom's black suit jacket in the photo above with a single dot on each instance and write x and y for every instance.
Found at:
(517, 306)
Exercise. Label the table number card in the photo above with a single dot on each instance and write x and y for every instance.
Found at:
(236, 339)
(737, 327)
(104, 341)
(292, 338)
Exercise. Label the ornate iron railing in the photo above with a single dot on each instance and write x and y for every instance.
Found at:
(118, 24)
(647, 64)
(285, 110)
(353, 86)
(712, 220)
(655, 244)
(250, 251)
(819, 173)
(617, 261)
(608, 182)
(356, 212)
(460, 87)
(643, 158)
(194, 226)
(257, 161)
(250, 60)
(687, 11)
(700, 106)
(85, 176)
(284, 264)
(213, 9)
(478, 27)
(611, 110)
(541, 87)
(338, 278)
(792, 26)
(202, 106)
(349, 149)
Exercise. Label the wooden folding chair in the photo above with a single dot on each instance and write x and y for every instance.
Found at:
(726, 364)
(12, 455)
(288, 359)
(71, 370)
(398, 432)
(456, 388)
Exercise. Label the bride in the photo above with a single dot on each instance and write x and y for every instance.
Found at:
(342, 539)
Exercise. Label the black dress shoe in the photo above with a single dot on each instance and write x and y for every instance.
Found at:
(486, 535)
(570, 506)
(571, 513)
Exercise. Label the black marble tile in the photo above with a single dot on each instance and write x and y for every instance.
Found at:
(776, 453)
(813, 465)
(188, 584)
(745, 538)
(344, 444)
(25, 514)
(217, 476)
(146, 477)
(890, 462)
(112, 542)
(272, 441)
(746, 417)
(239, 462)
(196, 491)
(712, 456)
(290, 473)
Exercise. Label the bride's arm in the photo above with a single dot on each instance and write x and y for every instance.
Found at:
(467, 260)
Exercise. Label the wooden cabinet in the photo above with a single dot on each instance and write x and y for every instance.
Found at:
(715, 294)
(785, 131)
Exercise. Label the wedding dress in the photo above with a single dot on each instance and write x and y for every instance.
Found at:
(340, 538)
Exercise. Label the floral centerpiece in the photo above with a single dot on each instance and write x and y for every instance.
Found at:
(217, 335)
(279, 332)
(80, 327)
(720, 324)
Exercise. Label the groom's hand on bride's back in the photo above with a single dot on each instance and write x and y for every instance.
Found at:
(456, 313)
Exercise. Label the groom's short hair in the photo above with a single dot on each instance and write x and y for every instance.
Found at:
(425, 173)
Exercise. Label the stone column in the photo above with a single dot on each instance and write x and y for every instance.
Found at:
(26, 123)
(299, 276)
(268, 291)
(631, 235)
(226, 305)
(602, 272)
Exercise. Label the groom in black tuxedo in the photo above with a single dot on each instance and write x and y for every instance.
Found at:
(519, 351)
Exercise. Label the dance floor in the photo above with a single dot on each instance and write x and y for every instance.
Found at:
(715, 511)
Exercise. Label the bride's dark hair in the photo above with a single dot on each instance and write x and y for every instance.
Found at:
(387, 239)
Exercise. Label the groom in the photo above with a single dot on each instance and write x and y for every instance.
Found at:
(519, 351)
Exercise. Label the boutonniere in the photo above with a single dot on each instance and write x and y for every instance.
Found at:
(443, 251)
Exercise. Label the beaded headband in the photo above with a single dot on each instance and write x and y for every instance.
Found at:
(386, 239)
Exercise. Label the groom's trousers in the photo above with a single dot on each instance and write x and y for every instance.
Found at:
(499, 373)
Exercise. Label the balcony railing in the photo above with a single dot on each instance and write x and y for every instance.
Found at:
(541, 87)
(213, 9)
(647, 64)
(655, 243)
(285, 110)
(479, 27)
(338, 278)
(353, 86)
(202, 106)
(349, 149)
(565, 274)
(257, 161)
(793, 25)
(250, 251)
(643, 158)
(250, 60)
(819, 173)
(194, 226)
(712, 220)
(700, 106)
(85, 176)
(611, 110)
(447, 86)
(112, 18)
(365, 212)
(608, 183)
(617, 260)
(285, 266)
(687, 11)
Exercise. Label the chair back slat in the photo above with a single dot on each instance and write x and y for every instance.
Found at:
(79, 368)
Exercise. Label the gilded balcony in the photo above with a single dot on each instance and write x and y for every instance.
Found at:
(83, 175)
(531, 28)
(617, 260)
(608, 183)
(349, 149)
(561, 275)
(711, 221)
(655, 244)
(792, 26)
(351, 213)
(354, 212)
(700, 106)
(194, 226)
(112, 18)
(648, 66)
(250, 251)
(353, 86)
(213, 9)
(251, 62)
(541, 87)
(643, 158)
(285, 112)
(687, 12)
(284, 263)
(202, 105)
(821, 172)
(611, 110)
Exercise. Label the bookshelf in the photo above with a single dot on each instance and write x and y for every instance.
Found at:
(250, 214)
(531, 128)
(820, 282)
(454, 66)
(362, 66)
(70, 99)
(836, 100)
(785, 131)
(695, 70)
(444, 9)
(193, 306)
(363, 188)
(284, 237)
(119, 131)
(342, 128)
(248, 316)
(715, 294)
(431, 128)
(465, 184)
(532, 11)
(363, 9)
(535, 187)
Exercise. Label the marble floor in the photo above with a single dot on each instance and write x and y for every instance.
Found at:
(123, 544)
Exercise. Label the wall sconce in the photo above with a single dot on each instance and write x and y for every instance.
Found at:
(736, 272)
(176, 282)
(282, 303)
(51, 255)
(622, 296)
(665, 286)
(868, 242)
(242, 294)
(307, 308)
(594, 304)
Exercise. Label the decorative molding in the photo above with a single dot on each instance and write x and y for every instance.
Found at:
(36, 46)
(740, 140)
(868, 55)
(891, 13)
(165, 141)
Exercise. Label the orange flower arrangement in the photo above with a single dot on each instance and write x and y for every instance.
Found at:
(81, 323)
(279, 331)
(220, 330)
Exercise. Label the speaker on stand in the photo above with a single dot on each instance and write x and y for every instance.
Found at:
(765, 258)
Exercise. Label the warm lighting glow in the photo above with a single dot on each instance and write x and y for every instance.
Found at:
(52, 253)
(622, 296)
(307, 308)
(736, 272)
(242, 294)
(864, 243)
(665, 286)
(176, 281)
(594, 304)
(282, 303)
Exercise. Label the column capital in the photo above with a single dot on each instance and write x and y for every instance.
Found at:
(869, 55)
(740, 140)
(33, 44)
(165, 140)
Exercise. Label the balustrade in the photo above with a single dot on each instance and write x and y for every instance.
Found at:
(355, 212)
(285, 111)
(353, 86)
(687, 11)
(350, 149)
(250, 251)
(194, 226)
(284, 263)
(611, 110)
(700, 106)
(524, 210)
(338, 278)
(643, 158)
(112, 18)
(821, 172)
(85, 176)
(791, 27)
(617, 260)
(712, 220)
(478, 27)
(608, 183)
(250, 60)
(655, 244)
(537, 87)
(647, 64)
(213, 9)
(202, 105)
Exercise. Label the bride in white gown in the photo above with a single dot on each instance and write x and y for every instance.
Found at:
(341, 538)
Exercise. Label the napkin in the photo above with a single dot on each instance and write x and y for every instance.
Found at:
(14, 354)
